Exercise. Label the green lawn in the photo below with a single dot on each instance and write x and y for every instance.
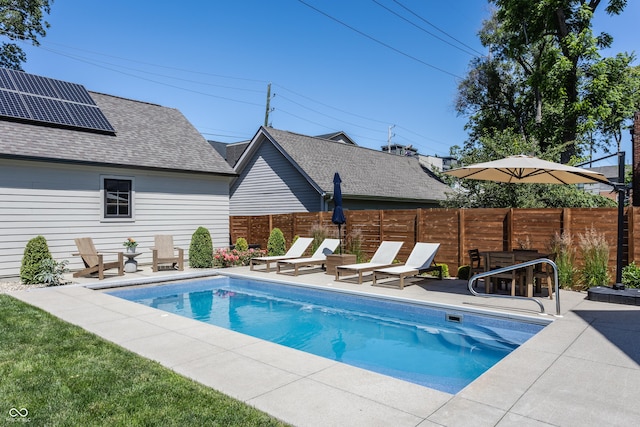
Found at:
(65, 376)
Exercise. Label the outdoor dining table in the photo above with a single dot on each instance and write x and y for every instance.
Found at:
(519, 256)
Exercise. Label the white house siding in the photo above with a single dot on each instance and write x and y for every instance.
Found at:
(61, 202)
(270, 184)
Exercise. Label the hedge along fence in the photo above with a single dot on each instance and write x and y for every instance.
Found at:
(457, 230)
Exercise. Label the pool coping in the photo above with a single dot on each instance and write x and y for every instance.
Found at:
(577, 371)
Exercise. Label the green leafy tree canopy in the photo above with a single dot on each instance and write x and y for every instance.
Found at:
(21, 20)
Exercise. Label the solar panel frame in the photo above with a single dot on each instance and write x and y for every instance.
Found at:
(49, 101)
(36, 85)
(5, 79)
(11, 105)
(72, 92)
(89, 117)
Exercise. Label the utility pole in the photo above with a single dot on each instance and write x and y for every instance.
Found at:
(390, 135)
(268, 110)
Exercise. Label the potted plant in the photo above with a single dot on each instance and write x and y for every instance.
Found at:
(130, 244)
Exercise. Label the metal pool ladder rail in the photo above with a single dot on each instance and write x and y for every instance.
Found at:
(516, 267)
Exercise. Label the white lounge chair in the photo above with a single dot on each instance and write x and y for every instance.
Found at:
(420, 260)
(383, 257)
(319, 257)
(295, 251)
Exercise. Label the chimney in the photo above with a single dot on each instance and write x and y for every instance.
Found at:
(635, 144)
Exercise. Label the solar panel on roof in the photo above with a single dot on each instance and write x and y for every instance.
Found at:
(34, 98)
(11, 105)
(5, 80)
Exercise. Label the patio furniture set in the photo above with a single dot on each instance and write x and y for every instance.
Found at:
(530, 276)
(163, 252)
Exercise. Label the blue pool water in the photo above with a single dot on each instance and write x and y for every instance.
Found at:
(444, 350)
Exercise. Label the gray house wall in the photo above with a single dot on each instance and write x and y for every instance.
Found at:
(64, 201)
(270, 184)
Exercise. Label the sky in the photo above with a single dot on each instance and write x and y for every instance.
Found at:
(370, 68)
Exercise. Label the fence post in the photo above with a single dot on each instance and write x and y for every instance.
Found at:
(631, 247)
(462, 238)
(508, 235)
(418, 234)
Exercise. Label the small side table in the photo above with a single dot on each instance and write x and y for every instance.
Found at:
(335, 260)
(131, 265)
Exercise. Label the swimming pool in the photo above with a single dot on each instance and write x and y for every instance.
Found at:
(441, 349)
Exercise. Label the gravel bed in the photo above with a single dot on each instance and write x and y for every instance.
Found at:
(12, 286)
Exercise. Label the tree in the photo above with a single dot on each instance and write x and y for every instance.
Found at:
(616, 85)
(557, 35)
(544, 77)
(543, 90)
(21, 20)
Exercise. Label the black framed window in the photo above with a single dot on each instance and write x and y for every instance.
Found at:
(117, 198)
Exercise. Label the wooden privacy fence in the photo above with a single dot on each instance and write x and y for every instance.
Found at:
(457, 230)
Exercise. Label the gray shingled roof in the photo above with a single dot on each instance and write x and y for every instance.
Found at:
(365, 173)
(147, 135)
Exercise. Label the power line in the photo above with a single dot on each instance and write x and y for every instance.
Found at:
(100, 64)
(86, 61)
(380, 42)
(441, 30)
(422, 29)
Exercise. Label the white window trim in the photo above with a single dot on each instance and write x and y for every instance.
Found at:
(133, 198)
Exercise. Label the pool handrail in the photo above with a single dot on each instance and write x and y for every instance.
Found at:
(489, 273)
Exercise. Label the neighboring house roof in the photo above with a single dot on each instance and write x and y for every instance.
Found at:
(338, 137)
(146, 136)
(230, 151)
(365, 173)
(234, 151)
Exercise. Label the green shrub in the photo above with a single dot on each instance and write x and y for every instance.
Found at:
(436, 273)
(463, 272)
(276, 244)
(631, 275)
(595, 253)
(201, 249)
(51, 272)
(445, 269)
(35, 252)
(241, 244)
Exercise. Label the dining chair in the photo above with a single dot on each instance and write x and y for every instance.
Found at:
(544, 273)
(526, 274)
(476, 263)
(496, 260)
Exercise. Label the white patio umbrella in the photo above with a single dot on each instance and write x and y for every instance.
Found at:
(532, 170)
(527, 169)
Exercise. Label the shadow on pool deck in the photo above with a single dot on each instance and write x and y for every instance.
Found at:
(583, 369)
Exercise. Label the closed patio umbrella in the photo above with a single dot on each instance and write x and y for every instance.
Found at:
(338, 214)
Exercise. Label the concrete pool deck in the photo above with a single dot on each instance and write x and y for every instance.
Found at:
(581, 370)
